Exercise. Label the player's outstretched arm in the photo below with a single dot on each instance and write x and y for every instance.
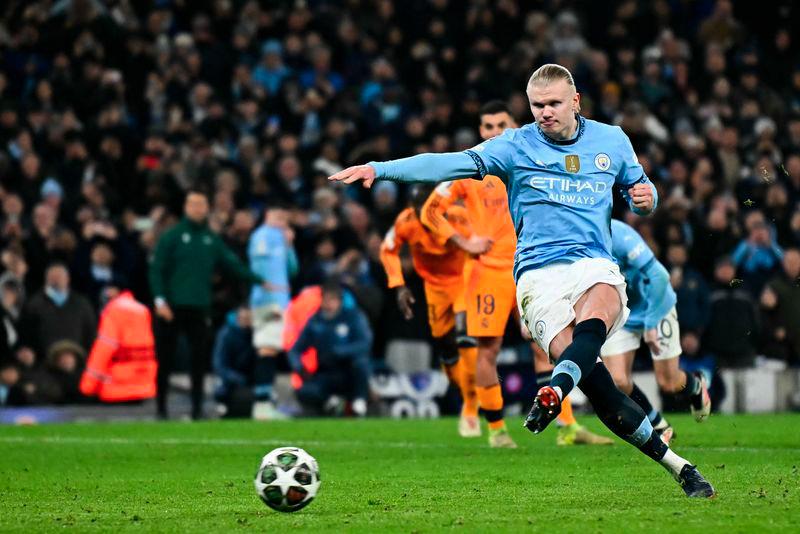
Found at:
(430, 168)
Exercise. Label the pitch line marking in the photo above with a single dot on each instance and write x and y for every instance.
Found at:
(224, 442)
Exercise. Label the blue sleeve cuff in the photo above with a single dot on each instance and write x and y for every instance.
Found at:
(638, 211)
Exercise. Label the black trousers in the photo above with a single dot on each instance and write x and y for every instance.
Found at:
(195, 324)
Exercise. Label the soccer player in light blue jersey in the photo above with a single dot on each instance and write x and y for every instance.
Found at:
(559, 173)
(653, 317)
(272, 257)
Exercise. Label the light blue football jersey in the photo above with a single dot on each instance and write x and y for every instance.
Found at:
(650, 295)
(271, 258)
(560, 192)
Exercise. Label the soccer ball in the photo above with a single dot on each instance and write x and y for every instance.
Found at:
(287, 479)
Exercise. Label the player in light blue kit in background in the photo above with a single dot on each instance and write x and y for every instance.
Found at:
(559, 173)
(272, 256)
(651, 300)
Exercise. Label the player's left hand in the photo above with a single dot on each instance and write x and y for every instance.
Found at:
(354, 174)
(268, 286)
(405, 298)
(651, 338)
(642, 196)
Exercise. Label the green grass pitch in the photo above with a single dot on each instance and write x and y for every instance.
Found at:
(393, 476)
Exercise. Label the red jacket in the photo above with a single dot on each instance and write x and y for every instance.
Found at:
(122, 364)
(300, 310)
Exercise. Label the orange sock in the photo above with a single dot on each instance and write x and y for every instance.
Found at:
(453, 373)
(491, 400)
(565, 417)
(467, 361)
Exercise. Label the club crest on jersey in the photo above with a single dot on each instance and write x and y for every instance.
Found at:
(602, 161)
(572, 163)
(539, 329)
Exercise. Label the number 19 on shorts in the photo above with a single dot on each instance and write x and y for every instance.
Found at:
(485, 304)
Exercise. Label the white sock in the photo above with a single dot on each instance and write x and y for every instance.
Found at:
(673, 463)
(559, 392)
(359, 407)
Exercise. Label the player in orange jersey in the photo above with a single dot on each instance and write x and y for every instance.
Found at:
(490, 289)
(440, 266)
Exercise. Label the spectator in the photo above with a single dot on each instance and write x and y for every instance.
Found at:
(122, 363)
(98, 272)
(773, 343)
(56, 314)
(180, 278)
(11, 393)
(13, 224)
(786, 288)
(717, 237)
(343, 341)
(65, 362)
(733, 328)
(757, 257)
(234, 357)
(40, 243)
(273, 258)
(271, 72)
(12, 295)
(690, 287)
(34, 385)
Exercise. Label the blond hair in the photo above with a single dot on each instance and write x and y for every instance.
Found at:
(549, 73)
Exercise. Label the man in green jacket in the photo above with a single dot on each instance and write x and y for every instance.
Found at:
(181, 271)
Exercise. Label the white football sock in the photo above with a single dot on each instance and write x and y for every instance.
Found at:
(673, 463)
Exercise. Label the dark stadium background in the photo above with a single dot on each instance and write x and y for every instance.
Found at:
(110, 110)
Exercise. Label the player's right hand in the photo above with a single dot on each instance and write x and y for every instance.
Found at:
(165, 312)
(477, 245)
(651, 339)
(354, 174)
(404, 301)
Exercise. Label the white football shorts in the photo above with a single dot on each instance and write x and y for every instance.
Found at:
(669, 339)
(546, 297)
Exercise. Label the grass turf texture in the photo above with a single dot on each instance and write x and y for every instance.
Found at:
(392, 476)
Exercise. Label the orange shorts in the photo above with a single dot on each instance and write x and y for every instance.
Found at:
(443, 304)
(490, 297)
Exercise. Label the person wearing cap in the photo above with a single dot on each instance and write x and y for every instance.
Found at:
(271, 72)
(52, 193)
(122, 363)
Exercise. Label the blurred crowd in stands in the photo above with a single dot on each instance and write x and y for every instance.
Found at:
(111, 110)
